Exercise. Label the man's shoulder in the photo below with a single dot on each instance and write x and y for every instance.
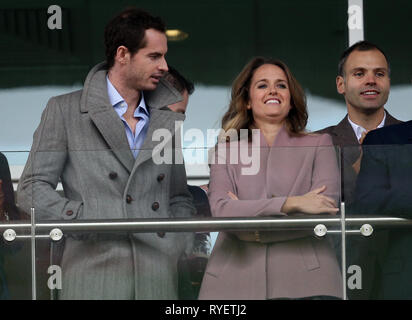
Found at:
(342, 133)
(311, 139)
(70, 96)
(327, 130)
(337, 129)
(94, 91)
(390, 120)
(66, 101)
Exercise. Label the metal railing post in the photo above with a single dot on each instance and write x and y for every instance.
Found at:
(343, 245)
(33, 254)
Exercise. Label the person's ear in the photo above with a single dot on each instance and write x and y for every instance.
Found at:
(340, 84)
(122, 55)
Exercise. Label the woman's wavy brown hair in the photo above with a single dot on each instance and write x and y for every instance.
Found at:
(239, 117)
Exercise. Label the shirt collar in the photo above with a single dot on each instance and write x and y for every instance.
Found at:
(116, 99)
(359, 129)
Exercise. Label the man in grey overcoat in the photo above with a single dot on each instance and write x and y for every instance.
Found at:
(101, 143)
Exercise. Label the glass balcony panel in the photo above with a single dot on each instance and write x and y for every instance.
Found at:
(380, 261)
(118, 244)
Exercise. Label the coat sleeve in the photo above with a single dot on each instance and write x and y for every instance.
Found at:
(222, 181)
(326, 169)
(325, 173)
(37, 186)
(181, 200)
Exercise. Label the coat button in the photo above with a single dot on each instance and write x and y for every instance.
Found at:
(161, 234)
(112, 175)
(129, 198)
(69, 212)
(160, 177)
(155, 206)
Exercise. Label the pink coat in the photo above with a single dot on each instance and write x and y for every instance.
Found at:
(284, 264)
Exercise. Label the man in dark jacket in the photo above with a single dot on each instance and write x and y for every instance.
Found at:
(364, 81)
(384, 188)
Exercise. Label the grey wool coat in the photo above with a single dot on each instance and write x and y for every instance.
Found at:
(82, 141)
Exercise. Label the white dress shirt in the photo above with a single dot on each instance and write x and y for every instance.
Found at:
(359, 130)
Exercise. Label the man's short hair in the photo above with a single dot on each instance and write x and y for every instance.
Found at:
(178, 81)
(128, 29)
(358, 46)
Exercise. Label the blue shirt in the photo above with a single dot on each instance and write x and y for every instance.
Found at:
(120, 106)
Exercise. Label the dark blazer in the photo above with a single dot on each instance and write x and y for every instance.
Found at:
(384, 187)
(360, 251)
(343, 136)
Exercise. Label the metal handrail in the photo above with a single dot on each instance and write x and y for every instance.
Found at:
(209, 224)
(55, 229)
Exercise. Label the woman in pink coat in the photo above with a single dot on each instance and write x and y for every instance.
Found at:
(291, 173)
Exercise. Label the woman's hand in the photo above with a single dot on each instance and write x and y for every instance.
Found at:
(232, 195)
(313, 202)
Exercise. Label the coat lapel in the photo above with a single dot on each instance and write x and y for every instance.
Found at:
(343, 134)
(164, 123)
(95, 101)
(112, 130)
(161, 118)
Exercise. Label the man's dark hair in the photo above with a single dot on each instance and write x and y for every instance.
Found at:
(178, 81)
(128, 29)
(358, 46)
